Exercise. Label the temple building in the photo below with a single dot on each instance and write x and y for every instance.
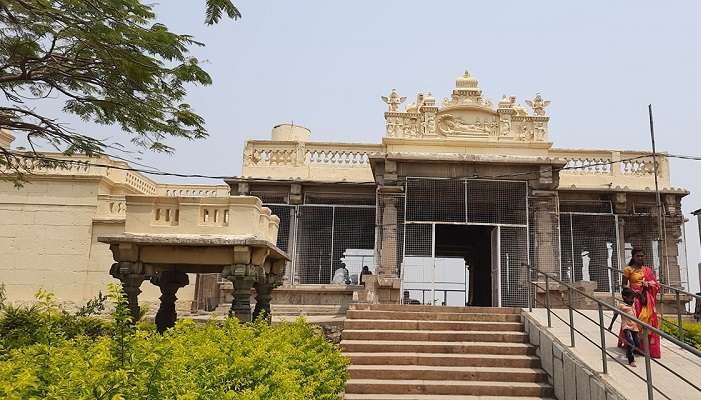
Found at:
(449, 208)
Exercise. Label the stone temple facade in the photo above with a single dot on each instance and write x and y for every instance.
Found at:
(448, 208)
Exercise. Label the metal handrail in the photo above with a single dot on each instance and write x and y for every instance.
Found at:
(681, 291)
(677, 293)
(646, 328)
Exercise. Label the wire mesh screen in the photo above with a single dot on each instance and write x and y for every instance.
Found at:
(353, 239)
(496, 202)
(314, 244)
(418, 240)
(389, 239)
(439, 200)
(588, 246)
(514, 256)
(283, 233)
(328, 236)
(641, 232)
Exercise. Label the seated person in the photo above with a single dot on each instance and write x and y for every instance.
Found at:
(365, 271)
(340, 276)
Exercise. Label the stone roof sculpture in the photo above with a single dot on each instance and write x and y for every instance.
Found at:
(467, 114)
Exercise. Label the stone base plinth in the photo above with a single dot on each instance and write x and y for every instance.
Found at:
(380, 290)
(559, 297)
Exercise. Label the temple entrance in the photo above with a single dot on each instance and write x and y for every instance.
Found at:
(471, 246)
(457, 265)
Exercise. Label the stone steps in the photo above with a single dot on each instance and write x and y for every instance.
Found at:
(307, 309)
(444, 359)
(433, 325)
(430, 316)
(448, 373)
(447, 388)
(428, 352)
(435, 336)
(433, 309)
(367, 346)
(434, 397)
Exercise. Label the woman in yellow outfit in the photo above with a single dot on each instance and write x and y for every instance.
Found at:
(641, 279)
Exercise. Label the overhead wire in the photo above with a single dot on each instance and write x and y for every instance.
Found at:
(156, 172)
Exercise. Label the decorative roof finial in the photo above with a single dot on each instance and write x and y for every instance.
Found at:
(538, 105)
(393, 100)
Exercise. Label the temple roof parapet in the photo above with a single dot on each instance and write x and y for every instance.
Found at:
(468, 115)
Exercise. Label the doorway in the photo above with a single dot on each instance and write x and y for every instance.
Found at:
(451, 264)
(473, 245)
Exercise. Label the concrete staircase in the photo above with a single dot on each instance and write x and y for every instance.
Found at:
(426, 352)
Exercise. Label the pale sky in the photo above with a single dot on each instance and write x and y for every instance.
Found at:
(325, 64)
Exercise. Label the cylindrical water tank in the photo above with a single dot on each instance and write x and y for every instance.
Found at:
(291, 132)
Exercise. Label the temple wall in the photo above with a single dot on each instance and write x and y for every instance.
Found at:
(48, 234)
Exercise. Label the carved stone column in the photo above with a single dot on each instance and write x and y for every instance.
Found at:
(131, 277)
(169, 282)
(241, 305)
(264, 293)
(243, 278)
(546, 224)
(388, 252)
(274, 277)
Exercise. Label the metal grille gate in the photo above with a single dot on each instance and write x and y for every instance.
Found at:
(328, 236)
(496, 204)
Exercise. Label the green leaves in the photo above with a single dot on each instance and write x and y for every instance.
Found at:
(217, 360)
(109, 61)
(215, 8)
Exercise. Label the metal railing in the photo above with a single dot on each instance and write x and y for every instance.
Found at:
(601, 306)
(667, 289)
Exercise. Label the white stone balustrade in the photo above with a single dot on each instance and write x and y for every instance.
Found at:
(225, 216)
(597, 168)
(309, 160)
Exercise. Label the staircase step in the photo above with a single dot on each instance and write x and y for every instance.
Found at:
(308, 309)
(433, 309)
(448, 373)
(377, 346)
(360, 396)
(441, 359)
(388, 324)
(435, 336)
(431, 316)
(479, 388)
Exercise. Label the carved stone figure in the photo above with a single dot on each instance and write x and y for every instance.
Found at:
(539, 131)
(393, 100)
(525, 132)
(429, 123)
(505, 125)
(538, 105)
(449, 124)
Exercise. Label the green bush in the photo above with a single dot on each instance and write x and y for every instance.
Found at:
(691, 330)
(44, 322)
(230, 360)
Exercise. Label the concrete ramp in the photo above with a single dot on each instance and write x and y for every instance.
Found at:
(619, 377)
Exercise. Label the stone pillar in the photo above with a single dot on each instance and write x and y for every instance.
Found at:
(546, 224)
(388, 252)
(169, 282)
(241, 305)
(264, 293)
(131, 276)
